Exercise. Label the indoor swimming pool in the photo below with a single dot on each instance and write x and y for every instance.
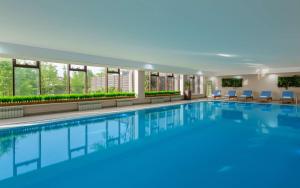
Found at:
(199, 144)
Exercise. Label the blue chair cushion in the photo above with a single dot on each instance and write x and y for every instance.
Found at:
(265, 94)
(287, 95)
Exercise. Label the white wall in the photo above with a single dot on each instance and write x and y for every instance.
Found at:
(257, 84)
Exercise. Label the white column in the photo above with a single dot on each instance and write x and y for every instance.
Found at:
(176, 83)
(130, 80)
(181, 83)
(197, 84)
(202, 89)
(139, 79)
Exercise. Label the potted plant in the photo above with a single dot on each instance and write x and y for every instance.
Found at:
(187, 90)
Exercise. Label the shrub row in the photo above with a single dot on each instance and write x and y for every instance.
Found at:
(66, 97)
(40, 98)
(158, 93)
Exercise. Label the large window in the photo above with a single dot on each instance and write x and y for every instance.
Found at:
(162, 81)
(192, 84)
(54, 78)
(26, 77)
(197, 84)
(77, 79)
(154, 81)
(96, 79)
(126, 80)
(6, 77)
(170, 82)
(157, 81)
(113, 79)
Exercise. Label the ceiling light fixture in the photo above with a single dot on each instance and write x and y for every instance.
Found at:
(200, 73)
(226, 55)
(148, 67)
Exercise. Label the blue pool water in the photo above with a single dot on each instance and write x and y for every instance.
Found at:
(204, 144)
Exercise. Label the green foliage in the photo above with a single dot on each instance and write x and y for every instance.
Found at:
(77, 82)
(291, 81)
(187, 85)
(52, 83)
(232, 82)
(158, 93)
(27, 81)
(6, 82)
(62, 97)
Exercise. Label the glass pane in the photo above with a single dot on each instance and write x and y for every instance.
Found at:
(147, 81)
(126, 80)
(113, 82)
(170, 83)
(153, 83)
(77, 67)
(6, 77)
(77, 82)
(96, 79)
(162, 81)
(27, 81)
(192, 82)
(26, 62)
(54, 78)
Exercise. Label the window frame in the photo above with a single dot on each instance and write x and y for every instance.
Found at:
(155, 75)
(84, 70)
(108, 71)
(37, 66)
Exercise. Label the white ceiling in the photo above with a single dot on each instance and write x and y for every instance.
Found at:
(224, 37)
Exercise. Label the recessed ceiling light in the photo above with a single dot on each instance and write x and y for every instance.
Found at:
(199, 72)
(226, 55)
(148, 67)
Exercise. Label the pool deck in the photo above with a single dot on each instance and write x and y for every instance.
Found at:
(29, 120)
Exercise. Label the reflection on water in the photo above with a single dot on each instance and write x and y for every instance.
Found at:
(289, 121)
(232, 114)
(27, 149)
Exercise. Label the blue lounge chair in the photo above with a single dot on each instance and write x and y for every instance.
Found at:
(265, 96)
(287, 97)
(231, 94)
(216, 94)
(247, 94)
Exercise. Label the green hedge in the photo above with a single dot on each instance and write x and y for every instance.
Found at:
(289, 81)
(66, 97)
(232, 82)
(157, 93)
(62, 97)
